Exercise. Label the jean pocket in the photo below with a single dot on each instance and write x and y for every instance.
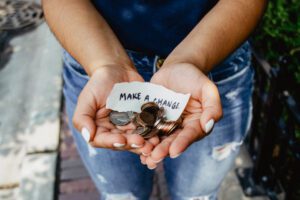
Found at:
(236, 91)
(74, 79)
(74, 66)
(233, 77)
(233, 66)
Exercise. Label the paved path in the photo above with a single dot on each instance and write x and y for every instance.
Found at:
(30, 97)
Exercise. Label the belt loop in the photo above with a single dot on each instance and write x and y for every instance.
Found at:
(210, 76)
(159, 62)
(156, 58)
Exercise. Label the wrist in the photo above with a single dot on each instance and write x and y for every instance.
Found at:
(103, 65)
(199, 62)
(184, 63)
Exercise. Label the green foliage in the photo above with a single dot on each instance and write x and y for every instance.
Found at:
(279, 34)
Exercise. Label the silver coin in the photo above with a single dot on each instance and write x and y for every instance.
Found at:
(142, 131)
(119, 118)
(152, 133)
(131, 115)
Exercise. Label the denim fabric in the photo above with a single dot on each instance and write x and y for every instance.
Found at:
(198, 172)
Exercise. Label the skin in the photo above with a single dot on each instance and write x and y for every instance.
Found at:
(88, 38)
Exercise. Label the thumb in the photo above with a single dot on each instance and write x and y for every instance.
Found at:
(212, 108)
(84, 115)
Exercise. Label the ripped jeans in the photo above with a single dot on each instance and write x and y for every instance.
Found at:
(199, 171)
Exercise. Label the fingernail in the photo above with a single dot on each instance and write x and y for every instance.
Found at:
(86, 134)
(151, 167)
(156, 161)
(136, 146)
(209, 125)
(118, 145)
(175, 156)
(143, 162)
(145, 154)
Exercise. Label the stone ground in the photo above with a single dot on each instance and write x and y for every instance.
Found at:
(30, 99)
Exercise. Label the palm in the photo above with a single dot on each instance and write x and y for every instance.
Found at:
(91, 109)
(185, 78)
(203, 106)
(104, 83)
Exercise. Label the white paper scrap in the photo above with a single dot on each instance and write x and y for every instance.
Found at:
(131, 96)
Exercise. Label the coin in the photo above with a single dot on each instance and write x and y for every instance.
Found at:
(143, 131)
(170, 127)
(150, 107)
(146, 118)
(160, 112)
(131, 115)
(119, 118)
(166, 127)
(150, 122)
(151, 134)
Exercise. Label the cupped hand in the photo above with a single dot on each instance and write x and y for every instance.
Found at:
(202, 111)
(91, 117)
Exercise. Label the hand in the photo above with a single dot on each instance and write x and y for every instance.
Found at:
(202, 111)
(92, 118)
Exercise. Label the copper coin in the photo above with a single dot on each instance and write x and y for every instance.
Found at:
(160, 112)
(150, 107)
(151, 134)
(145, 119)
(166, 127)
(159, 124)
(170, 127)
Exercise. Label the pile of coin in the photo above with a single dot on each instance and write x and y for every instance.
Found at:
(149, 122)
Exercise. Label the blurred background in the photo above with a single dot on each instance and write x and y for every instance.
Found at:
(38, 158)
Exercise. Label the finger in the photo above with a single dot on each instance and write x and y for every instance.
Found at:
(154, 140)
(145, 150)
(191, 117)
(84, 115)
(104, 122)
(189, 134)
(211, 107)
(134, 141)
(108, 140)
(103, 129)
(116, 131)
(103, 113)
(150, 165)
(193, 106)
(143, 159)
(161, 150)
(129, 126)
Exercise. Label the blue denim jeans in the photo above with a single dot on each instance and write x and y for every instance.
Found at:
(195, 174)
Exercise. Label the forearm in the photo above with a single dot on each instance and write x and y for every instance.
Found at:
(221, 31)
(83, 32)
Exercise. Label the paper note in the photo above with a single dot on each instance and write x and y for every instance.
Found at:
(131, 96)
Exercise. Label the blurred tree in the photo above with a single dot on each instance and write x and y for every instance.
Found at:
(278, 35)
